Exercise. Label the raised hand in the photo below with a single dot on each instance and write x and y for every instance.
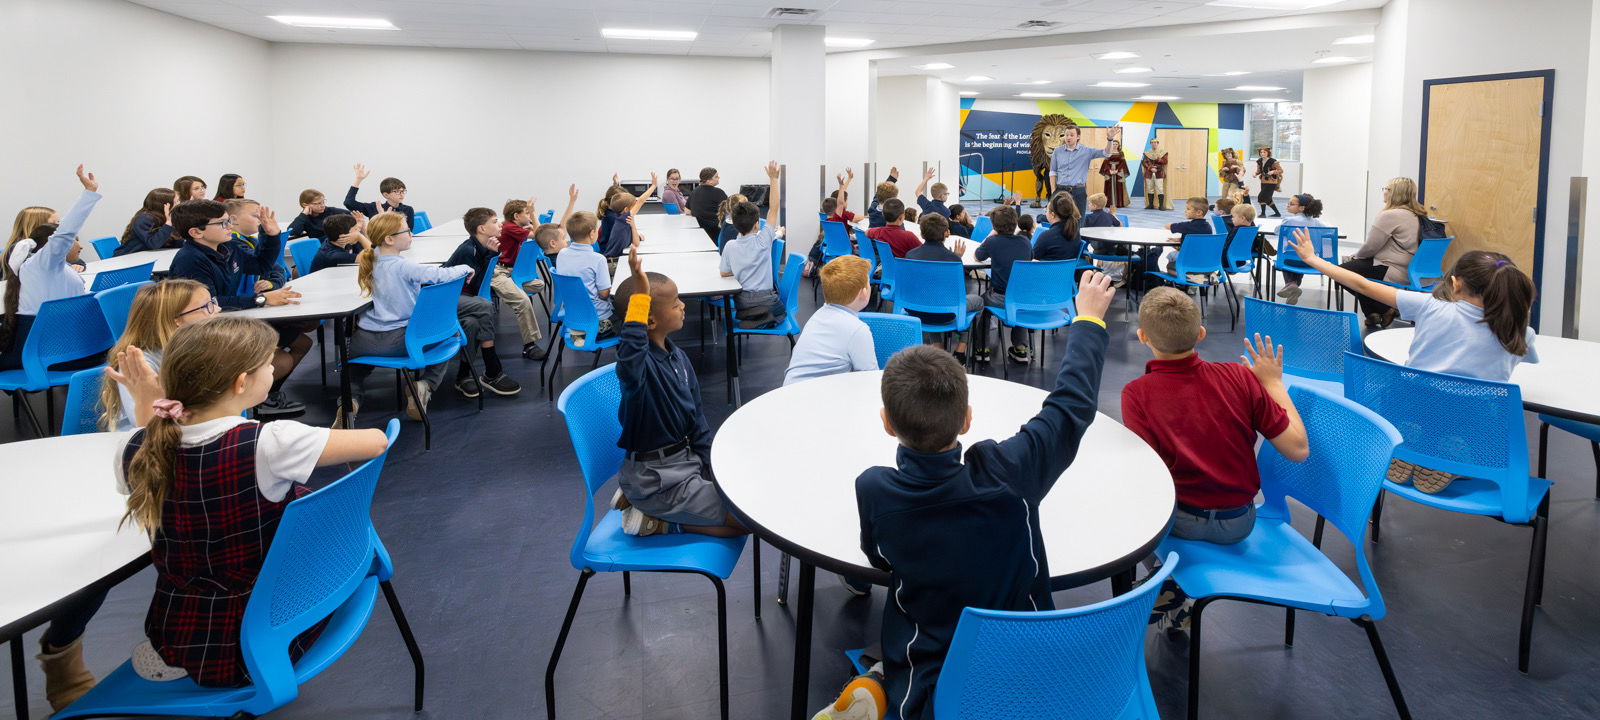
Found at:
(361, 220)
(840, 178)
(1303, 246)
(1094, 294)
(361, 173)
(533, 207)
(654, 179)
(89, 183)
(849, 173)
(166, 214)
(1265, 360)
(572, 192)
(269, 220)
(636, 270)
(614, 180)
(929, 174)
(894, 171)
(772, 170)
(135, 374)
(959, 247)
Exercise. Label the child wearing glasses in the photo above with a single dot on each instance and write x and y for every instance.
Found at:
(394, 196)
(314, 211)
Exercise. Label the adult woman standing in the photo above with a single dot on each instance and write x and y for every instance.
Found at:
(1391, 241)
(1115, 170)
(1271, 173)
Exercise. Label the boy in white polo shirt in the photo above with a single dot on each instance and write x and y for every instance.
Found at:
(749, 258)
(580, 259)
(834, 339)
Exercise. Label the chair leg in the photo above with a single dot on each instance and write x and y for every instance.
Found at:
(550, 389)
(19, 677)
(1535, 585)
(1594, 447)
(411, 392)
(627, 584)
(49, 412)
(1383, 664)
(555, 337)
(1544, 446)
(722, 644)
(561, 641)
(410, 640)
(1377, 515)
(1194, 657)
(783, 579)
(322, 355)
(1288, 627)
(20, 398)
(755, 572)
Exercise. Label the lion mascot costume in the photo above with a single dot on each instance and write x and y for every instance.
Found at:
(1049, 133)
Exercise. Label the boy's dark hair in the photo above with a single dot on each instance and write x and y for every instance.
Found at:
(391, 184)
(1004, 220)
(336, 226)
(1225, 205)
(706, 173)
(956, 210)
(893, 209)
(194, 214)
(475, 217)
(625, 291)
(1025, 224)
(1506, 291)
(745, 216)
(513, 207)
(924, 394)
(934, 228)
(829, 205)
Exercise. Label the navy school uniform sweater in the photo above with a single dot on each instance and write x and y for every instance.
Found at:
(371, 209)
(955, 534)
(1001, 251)
(660, 391)
(222, 270)
(305, 225)
(147, 233)
(477, 256)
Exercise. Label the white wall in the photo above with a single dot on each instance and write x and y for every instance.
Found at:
(1337, 112)
(1589, 316)
(852, 83)
(916, 120)
(467, 128)
(139, 96)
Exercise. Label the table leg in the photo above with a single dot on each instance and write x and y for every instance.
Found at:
(799, 705)
(732, 357)
(19, 679)
(1122, 582)
(342, 352)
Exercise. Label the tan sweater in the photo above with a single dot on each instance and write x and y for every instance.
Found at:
(1391, 242)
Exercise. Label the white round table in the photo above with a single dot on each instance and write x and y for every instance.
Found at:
(801, 497)
(1149, 237)
(59, 535)
(1560, 384)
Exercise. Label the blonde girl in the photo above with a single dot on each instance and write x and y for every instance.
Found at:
(28, 219)
(158, 310)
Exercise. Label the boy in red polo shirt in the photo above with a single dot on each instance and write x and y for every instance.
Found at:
(1202, 418)
(894, 232)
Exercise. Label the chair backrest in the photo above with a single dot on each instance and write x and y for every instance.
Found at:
(982, 228)
(589, 406)
(672, 208)
(886, 260)
(835, 239)
(1218, 225)
(123, 276)
(547, 216)
(931, 286)
(420, 222)
(891, 333)
(1428, 262)
(1314, 340)
(1123, 218)
(1240, 254)
(324, 549)
(434, 318)
(82, 412)
(1350, 450)
(777, 260)
(1199, 254)
(1043, 287)
(303, 252)
(485, 283)
(77, 329)
(575, 303)
(789, 285)
(1459, 425)
(527, 265)
(1085, 662)
(105, 247)
(1326, 240)
(1037, 231)
(115, 304)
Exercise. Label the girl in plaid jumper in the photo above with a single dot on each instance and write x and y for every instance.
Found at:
(210, 487)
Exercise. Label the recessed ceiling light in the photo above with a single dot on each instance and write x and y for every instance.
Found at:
(639, 34)
(1131, 70)
(977, 78)
(1116, 84)
(845, 42)
(1230, 73)
(1257, 88)
(335, 23)
(1268, 100)
(934, 66)
(1332, 59)
(1157, 97)
(969, 92)
(1117, 55)
(1355, 40)
(1272, 4)
(1037, 82)
(1039, 95)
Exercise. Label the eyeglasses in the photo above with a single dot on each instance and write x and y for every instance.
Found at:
(226, 221)
(211, 307)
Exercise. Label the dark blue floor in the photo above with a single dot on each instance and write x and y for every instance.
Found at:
(480, 530)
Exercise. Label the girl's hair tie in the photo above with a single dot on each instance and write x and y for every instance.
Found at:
(1498, 263)
(170, 409)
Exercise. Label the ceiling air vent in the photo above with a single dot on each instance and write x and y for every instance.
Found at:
(1037, 25)
(789, 12)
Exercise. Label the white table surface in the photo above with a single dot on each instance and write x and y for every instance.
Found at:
(447, 228)
(162, 259)
(697, 274)
(969, 257)
(432, 249)
(1134, 235)
(808, 497)
(329, 292)
(1561, 383)
(59, 510)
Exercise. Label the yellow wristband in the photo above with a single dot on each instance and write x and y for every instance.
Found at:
(638, 308)
(1090, 318)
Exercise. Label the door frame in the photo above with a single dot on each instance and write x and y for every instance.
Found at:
(1545, 116)
(1206, 170)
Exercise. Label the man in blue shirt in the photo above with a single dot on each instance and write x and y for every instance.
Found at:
(1069, 164)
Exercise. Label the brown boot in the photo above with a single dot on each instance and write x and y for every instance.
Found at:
(65, 676)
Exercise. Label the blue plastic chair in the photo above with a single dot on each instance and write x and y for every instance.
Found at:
(1217, 225)
(124, 276)
(789, 293)
(115, 304)
(1038, 297)
(1473, 429)
(835, 241)
(1123, 218)
(672, 208)
(932, 287)
(1200, 254)
(1239, 257)
(1037, 231)
(83, 410)
(589, 406)
(1275, 564)
(1427, 262)
(433, 336)
(68, 329)
(326, 561)
(578, 313)
(982, 228)
(886, 261)
(1584, 430)
(532, 265)
(547, 216)
(891, 334)
(303, 252)
(105, 247)
(1326, 240)
(1314, 340)
(420, 222)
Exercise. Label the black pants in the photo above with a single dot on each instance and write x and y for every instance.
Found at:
(1267, 189)
(1370, 270)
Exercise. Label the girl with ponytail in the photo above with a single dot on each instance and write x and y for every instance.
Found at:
(210, 486)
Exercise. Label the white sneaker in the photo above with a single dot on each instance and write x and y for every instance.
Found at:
(862, 699)
(635, 522)
(415, 408)
(338, 415)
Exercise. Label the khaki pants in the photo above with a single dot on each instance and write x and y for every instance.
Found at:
(1155, 186)
(516, 298)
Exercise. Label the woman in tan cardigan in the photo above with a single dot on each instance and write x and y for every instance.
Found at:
(1391, 241)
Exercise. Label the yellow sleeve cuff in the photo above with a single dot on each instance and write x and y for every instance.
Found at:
(638, 308)
(1090, 318)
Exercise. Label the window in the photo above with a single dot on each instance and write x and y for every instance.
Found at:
(1276, 125)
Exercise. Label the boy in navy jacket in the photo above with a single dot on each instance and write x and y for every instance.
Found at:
(956, 534)
(394, 195)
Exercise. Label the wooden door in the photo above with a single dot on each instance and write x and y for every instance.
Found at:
(1188, 166)
(1094, 137)
(1482, 160)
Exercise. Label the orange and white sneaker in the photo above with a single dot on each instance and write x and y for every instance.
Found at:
(861, 699)
(635, 522)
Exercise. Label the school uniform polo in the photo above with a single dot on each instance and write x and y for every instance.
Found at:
(221, 270)
(146, 233)
(901, 240)
(1202, 419)
(1054, 244)
(329, 255)
(371, 209)
(961, 230)
(248, 245)
(749, 258)
(961, 529)
(311, 225)
(930, 205)
(833, 341)
(1002, 251)
(45, 275)
(580, 260)
(477, 256)
(1101, 218)
(396, 282)
(1452, 338)
(1199, 226)
(512, 236)
(660, 391)
(616, 234)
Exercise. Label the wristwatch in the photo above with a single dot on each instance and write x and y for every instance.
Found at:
(261, 300)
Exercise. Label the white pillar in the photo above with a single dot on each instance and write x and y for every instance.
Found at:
(799, 131)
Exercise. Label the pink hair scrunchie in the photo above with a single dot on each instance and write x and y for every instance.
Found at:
(165, 408)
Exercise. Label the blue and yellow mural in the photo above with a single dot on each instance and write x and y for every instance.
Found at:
(995, 134)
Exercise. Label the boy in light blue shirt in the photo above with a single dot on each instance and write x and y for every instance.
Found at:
(834, 339)
(749, 258)
(580, 259)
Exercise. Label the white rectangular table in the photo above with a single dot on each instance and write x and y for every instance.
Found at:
(162, 259)
(448, 228)
(697, 274)
(432, 249)
(1556, 385)
(327, 294)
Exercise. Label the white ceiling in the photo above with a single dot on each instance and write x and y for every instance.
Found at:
(726, 27)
